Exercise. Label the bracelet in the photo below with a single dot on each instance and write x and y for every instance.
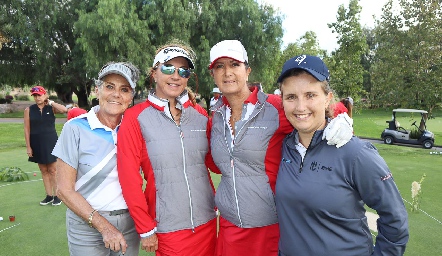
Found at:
(90, 218)
(50, 102)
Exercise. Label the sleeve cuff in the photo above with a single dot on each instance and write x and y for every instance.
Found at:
(149, 233)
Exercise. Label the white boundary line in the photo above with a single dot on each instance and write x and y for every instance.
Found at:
(438, 221)
(15, 225)
(13, 183)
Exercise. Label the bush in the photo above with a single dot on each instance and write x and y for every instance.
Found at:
(22, 97)
(53, 97)
(10, 174)
(2, 101)
(9, 99)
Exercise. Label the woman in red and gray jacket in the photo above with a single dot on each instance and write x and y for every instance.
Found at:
(167, 137)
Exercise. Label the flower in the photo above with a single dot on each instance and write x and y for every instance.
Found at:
(416, 193)
(415, 189)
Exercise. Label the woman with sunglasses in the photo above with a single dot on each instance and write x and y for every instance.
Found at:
(167, 137)
(248, 127)
(40, 138)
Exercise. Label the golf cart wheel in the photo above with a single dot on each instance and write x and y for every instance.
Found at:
(427, 144)
(388, 140)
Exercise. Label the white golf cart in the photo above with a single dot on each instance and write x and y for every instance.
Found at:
(417, 136)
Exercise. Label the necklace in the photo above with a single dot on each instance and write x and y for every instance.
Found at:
(177, 116)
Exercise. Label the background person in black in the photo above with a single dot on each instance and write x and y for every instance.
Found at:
(40, 137)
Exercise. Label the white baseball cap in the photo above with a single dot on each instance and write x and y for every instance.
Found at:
(169, 53)
(216, 90)
(232, 49)
(120, 69)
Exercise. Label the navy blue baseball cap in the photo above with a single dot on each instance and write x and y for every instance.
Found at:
(312, 64)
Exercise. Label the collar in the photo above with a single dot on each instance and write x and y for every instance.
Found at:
(93, 121)
(293, 138)
(160, 104)
(253, 98)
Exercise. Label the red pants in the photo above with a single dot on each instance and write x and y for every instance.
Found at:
(235, 241)
(185, 242)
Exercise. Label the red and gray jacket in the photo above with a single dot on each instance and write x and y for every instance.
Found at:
(245, 195)
(179, 193)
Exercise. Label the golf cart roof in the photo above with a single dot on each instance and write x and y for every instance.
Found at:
(405, 110)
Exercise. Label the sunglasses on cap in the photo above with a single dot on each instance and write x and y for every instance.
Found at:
(36, 89)
(169, 69)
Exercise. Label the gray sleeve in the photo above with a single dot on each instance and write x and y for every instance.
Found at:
(67, 145)
(377, 188)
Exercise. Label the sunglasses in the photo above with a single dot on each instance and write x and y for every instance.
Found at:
(169, 69)
(36, 89)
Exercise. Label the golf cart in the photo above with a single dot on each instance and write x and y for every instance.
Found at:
(417, 136)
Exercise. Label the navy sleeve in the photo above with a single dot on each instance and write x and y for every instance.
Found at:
(377, 188)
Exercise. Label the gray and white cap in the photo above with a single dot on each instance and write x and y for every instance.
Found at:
(121, 69)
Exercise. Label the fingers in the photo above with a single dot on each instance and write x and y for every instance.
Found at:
(123, 246)
(149, 244)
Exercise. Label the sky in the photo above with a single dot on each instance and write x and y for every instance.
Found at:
(313, 15)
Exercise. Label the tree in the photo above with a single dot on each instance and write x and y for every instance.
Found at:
(63, 44)
(346, 69)
(406, 67)
(42, 46)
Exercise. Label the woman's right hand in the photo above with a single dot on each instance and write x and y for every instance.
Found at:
(29, 152)
(113, 239)
(150, 243)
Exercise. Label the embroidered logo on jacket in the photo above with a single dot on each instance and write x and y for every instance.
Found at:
(316, 166)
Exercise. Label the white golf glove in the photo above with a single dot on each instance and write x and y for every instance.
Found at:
(339, 131)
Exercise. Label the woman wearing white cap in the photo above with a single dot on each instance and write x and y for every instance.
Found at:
(247, 132)
(216, 95)
(167, 137)
(97, 219)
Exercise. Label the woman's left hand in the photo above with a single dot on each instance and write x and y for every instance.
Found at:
(339, 131)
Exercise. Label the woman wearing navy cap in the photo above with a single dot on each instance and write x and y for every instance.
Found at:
(40, 138)
(248, 127)
(320, 190)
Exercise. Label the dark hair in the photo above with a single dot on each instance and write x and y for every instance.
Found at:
(348, 105)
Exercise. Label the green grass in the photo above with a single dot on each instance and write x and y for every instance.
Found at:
(42, 231)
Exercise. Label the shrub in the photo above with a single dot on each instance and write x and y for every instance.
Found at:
(22, 97)
(10, 174)
(9, 99)
(2, 101)
(53, 97)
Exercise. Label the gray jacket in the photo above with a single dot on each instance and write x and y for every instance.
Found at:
(244, 195)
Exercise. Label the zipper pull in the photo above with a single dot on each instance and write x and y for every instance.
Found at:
(181, 134)
(231, 163)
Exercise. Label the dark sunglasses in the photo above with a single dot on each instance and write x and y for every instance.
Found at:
(169, 69)
(36, 89)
